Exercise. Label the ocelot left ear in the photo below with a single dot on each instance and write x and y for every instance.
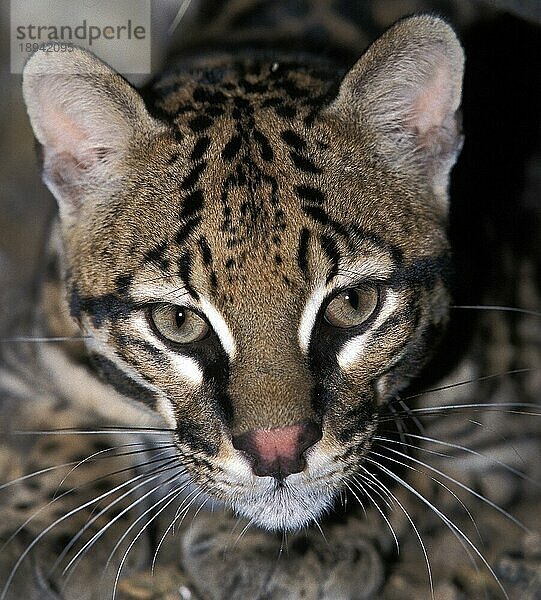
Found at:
(86, 118)
(404, 93)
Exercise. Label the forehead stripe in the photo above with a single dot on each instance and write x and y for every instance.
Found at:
(302, 252)
(185, 271)
(332, 253)
(186, 229)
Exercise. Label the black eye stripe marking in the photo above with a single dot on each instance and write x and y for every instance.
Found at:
(302, 252)
(100, 308)
(121, 381)
(330, 248)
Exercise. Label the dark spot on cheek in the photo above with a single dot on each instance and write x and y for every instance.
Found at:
(208, 96)
(303, 163)
(286, 111)
(310, 194)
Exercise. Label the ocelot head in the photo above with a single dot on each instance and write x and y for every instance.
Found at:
(258, 253)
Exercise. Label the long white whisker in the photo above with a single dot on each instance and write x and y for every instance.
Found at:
(110, 523)
(175, 494)
(67, 492)
(72, 512)
(123, 430)
(442, 485)
(456, 482)
(408, 517)
(179, 514)
(523, 311)
(152, 476)
(474, 380)
(363, 489)
(442, 516)
(105, 451)
(469, 451)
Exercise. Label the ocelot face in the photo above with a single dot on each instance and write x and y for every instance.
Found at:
(265, 266)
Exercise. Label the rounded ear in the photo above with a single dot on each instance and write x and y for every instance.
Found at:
(85, 116)
(405, 92)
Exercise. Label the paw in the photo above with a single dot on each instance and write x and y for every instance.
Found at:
(227, 562)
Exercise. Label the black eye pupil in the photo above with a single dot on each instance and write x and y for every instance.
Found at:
(180, 317)
(353, 298)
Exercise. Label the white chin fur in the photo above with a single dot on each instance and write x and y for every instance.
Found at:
(286, 508)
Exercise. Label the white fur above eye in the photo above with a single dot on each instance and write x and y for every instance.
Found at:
(309, 315)
(220, 327)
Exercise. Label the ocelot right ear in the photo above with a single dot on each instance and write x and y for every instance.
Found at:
(404, 93)
(86, 117)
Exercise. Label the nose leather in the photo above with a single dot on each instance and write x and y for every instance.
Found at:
(278, 452)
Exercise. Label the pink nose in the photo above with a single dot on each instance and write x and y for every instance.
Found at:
(278, 452)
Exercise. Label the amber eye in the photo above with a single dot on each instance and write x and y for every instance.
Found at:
(178, 323)
(352, 307)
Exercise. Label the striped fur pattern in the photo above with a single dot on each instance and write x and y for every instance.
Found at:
(250, 189)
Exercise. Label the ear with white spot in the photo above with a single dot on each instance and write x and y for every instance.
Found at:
(85, 116)
(405, 92)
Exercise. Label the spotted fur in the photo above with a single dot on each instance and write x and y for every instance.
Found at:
(251, 187)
